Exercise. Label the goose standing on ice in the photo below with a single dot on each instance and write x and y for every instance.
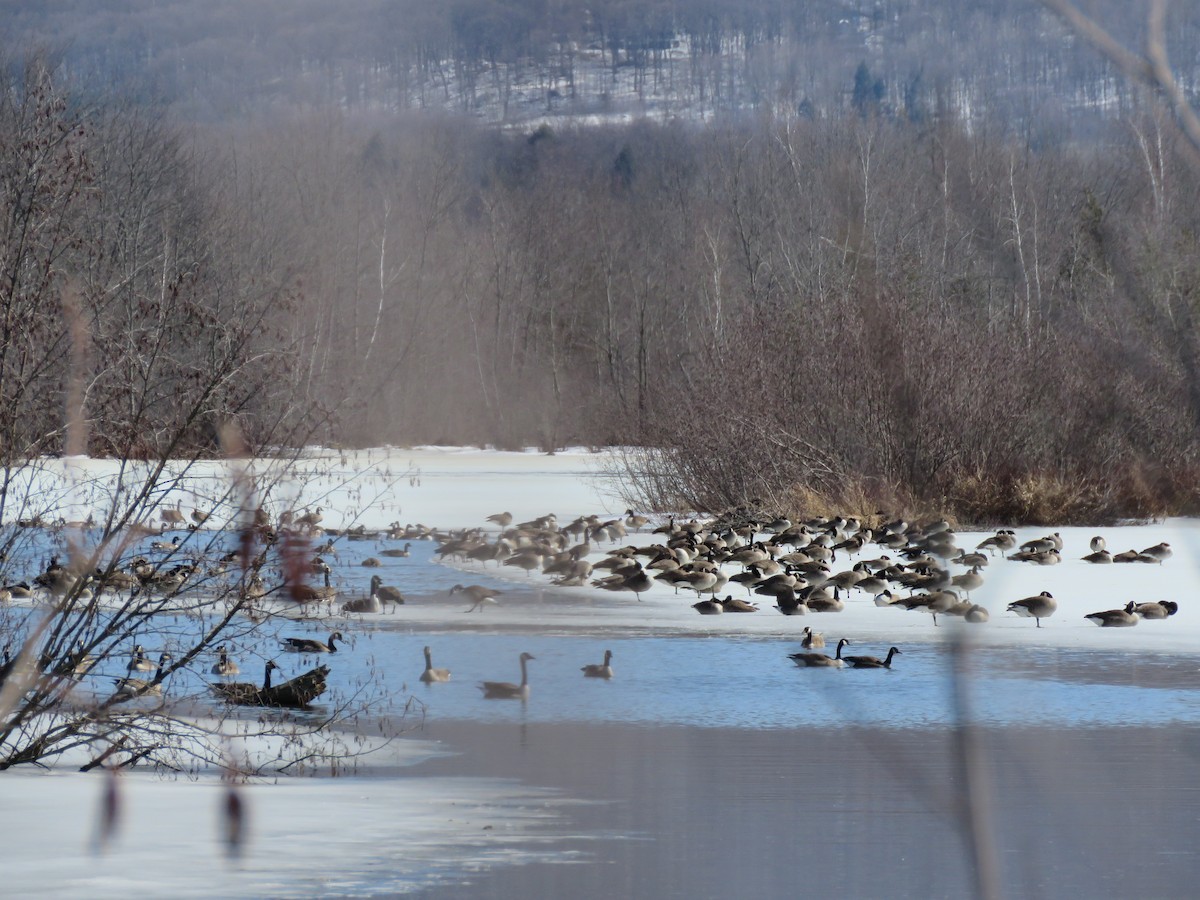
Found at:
(1160, 552)
(386, 592)
(1040, 607)
(635, 521)
(477, 594)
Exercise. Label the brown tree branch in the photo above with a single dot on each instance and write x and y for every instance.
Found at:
(1152, 70)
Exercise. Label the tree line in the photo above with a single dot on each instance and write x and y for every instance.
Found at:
(510, 60)
(918, 312)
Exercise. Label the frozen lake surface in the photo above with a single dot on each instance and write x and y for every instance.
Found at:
(710, 764)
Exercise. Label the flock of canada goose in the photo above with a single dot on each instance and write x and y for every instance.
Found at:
(803, 568)
(791, 564)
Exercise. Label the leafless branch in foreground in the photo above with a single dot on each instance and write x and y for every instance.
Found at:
(1152, 69)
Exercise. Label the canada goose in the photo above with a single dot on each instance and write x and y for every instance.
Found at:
(1160, 552)
(528, 559)
(385, 592)
(306, 593)
(310, 519)
(503, 519)
(709, 607)
(817, 660)
(871, 662)
(166, 546)
(755, 553)
(976, 614)
(823, 604)
(934, 602)
(1039, 545)
(872, 585)
(399, 552)
(1159, 610)
(638, 582)
(968, 581)
(21, 590)
(1097, 544)
(430, 675)
(703, 582)
(128, 688)
(731, 605)
(845, 580)
(789, 603)
(601, 670)
(173, 517)
(225, 667)
(812, 640)
(369, 604)
(56, 579)
(749, 578)
(297, 693)
(1115, 618)
(241, 691)
(1050, 557)
(1040, 607)
(371, 563)
(1100, 556)
(506, 690)
(940, 526)
(634, 521)
(311, 645)
(1126, 556)
(477, 594)
(971, 560)
(1003, 540)
(82, 662)
(140, 662)
(887, 598)
(777, 584)
(968, 612)
(255, 590)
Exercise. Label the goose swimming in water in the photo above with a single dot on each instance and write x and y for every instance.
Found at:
(129, 688)
(872, 662)
(820, 660)
(431, 675)
(311, 645)
(506, 690)
(812, 640)
(225, 667)
(601, 670)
